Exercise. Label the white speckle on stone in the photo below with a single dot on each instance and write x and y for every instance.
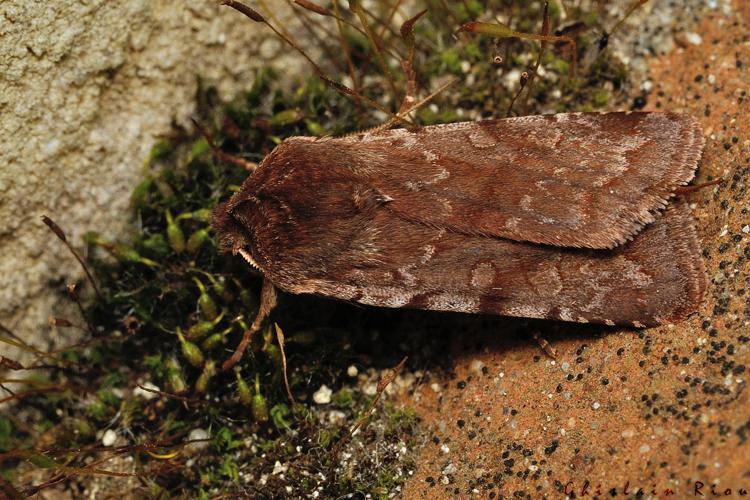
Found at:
(323, 395)
(565, 366)
(138, 392)
(746, 229)
(195, 435)
(476, 365)
(370, 389)
(693, 37)
(109, 437)
(444, 448)
(596, 405)
(51, 147)
(435, 387)
(711, 79)
(647, 85)
(352, 371)
(512, 79)
(279, 469)
(336, 417)
(627, 433)
(449, 469)
(644, 449)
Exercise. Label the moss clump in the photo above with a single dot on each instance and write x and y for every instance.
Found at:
(173, 308)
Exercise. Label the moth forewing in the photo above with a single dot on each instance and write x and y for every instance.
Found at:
(529, 217)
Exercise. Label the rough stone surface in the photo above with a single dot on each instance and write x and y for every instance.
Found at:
(86, 87)
(657, 410)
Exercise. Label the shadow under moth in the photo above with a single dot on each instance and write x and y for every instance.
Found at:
(562, 217)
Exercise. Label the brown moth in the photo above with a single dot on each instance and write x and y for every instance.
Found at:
(559, 216)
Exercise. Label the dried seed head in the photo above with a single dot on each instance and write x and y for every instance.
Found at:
(62, 322)
(54, 227)
(248, 11)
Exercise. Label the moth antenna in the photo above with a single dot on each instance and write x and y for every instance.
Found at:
(61, 235)
(337, 86)
(224, 156)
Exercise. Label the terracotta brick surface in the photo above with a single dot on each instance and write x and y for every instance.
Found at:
(660, 409)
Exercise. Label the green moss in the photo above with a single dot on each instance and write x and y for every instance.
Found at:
(451, 61)
(6, 434)
(600, 98)
(343, 398)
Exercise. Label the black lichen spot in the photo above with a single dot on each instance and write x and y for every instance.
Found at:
(549, 450)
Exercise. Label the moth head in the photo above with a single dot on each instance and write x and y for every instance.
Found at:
(233, 235)
(296, 210)
(242, 223)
